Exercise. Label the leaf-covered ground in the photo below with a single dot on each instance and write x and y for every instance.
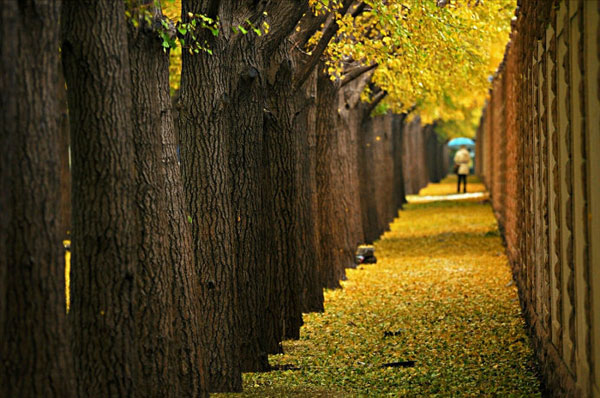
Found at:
(440, 295)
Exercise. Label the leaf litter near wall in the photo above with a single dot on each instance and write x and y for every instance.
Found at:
(442, 279)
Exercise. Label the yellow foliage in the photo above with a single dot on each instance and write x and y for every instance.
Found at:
(441, 290)
(172, 9)
(435, 61)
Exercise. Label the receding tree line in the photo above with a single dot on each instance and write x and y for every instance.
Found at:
(189, 266)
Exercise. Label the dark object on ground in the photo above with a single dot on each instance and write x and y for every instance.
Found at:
(388, 333)
(400, 364)
(365, 255)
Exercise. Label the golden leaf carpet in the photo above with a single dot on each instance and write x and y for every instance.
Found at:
(440, 303)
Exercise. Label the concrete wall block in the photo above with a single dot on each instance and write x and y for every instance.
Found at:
(538, 149)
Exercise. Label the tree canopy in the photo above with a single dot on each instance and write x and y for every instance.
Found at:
(431, 59)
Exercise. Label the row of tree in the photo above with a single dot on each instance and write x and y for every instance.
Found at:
(184, 274)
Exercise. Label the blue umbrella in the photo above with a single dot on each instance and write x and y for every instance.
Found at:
(458, 142)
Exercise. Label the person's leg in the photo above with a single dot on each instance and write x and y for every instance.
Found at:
(458, 183)
(465, 183)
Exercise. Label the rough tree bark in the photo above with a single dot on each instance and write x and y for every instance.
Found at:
(305, 124)
(36, 359)
(351, 123)
(383, 170)
(288, 188)
(282, 192)
(281, 199)
(397, 139)
(289, 123)
(221, 126)
(368, 191)
(329, 187)
(105, 227)
(153, 315)
(170, 350)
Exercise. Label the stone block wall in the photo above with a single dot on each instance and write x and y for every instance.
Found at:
(539, 154)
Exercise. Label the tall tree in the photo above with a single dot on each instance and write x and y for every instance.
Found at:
(105, 223)
(305, 123)
(205, 149)
(397, 139)
(36, 359)
(170, 350)
(221, 129)
(329, 185)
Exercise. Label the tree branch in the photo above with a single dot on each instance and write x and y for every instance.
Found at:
(359, 9)
(328, 33)
(309, 25)
(376, 100)
(356, 72)
(284, 16)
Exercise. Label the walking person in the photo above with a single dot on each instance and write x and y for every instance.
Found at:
(462, 159)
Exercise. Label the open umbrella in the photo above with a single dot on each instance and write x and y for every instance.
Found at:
(458, 142)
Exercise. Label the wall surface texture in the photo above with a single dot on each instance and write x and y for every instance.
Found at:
(538, 149)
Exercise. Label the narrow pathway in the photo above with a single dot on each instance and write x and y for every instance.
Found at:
(440, 295)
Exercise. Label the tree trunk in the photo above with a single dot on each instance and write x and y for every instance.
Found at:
(105, 222)
(36, 359)
(397, 134)
(208, 103)
(305, 125)
(153, 312)
(412, 156)
(329, 188)
(170, 353)
(351, 112)
(367, 176)
(384, 168)
(244, 125)
(221, 126)
(285, 131)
